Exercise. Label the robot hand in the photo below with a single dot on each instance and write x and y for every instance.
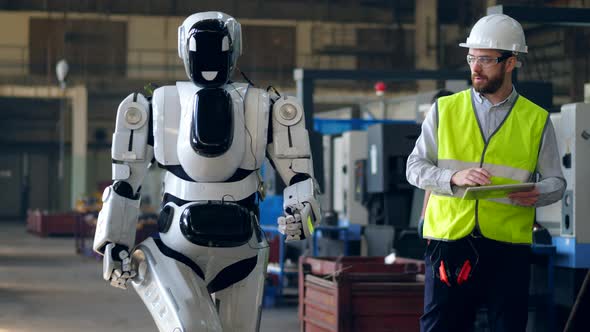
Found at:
(297, 224)
(302, 211)
(117, 265)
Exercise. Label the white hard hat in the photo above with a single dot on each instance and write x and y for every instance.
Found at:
(499, 32)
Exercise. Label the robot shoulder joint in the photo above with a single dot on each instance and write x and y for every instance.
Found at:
(131, 132)
(287, 111)
(133, 112)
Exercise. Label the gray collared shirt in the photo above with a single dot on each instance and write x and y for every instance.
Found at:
(422, 170)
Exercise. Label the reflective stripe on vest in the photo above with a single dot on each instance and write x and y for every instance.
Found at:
(510, 155)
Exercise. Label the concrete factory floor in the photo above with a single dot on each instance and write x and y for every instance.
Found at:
(46, 286)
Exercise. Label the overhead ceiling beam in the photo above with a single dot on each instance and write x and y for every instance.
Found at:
(544, 15)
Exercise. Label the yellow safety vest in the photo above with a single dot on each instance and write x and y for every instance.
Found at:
(510, 155)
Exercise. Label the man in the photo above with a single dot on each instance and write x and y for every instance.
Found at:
(479, 250)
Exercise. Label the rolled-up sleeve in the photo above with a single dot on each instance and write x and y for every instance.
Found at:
(422, 170)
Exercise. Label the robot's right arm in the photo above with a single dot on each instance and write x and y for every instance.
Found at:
(132, 155)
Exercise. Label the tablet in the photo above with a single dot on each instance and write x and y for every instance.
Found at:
(498, 191)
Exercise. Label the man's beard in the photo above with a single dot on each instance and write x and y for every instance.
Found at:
(491, 86)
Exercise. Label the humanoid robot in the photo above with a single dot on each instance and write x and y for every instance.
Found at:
(206, 271)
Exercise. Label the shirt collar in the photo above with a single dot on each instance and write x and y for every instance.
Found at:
(480, 98)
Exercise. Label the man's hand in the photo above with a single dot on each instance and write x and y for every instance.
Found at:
(471, 177)
(117, 265)
(525, 198)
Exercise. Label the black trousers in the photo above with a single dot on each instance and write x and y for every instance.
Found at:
(499, 282)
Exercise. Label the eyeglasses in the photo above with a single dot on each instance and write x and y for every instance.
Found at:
(486, 61)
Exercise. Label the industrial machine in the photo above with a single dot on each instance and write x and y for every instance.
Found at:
(390, 198)
(369, 191)
(390, 193)
(349, 149)
(567, 220)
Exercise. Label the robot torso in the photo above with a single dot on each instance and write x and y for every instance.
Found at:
(209, 139)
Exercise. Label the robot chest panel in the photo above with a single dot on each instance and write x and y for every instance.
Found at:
(211, 133)
(212, 123)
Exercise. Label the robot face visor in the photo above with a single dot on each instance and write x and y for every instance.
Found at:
(209, 56)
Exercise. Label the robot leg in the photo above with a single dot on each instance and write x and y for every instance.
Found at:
(236, 302)
(173, 292)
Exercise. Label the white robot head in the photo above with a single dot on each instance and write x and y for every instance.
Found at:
(209, 45)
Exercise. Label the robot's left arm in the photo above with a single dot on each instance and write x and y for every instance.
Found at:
(290, 153)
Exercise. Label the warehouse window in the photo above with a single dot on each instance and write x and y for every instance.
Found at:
(91, 47)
